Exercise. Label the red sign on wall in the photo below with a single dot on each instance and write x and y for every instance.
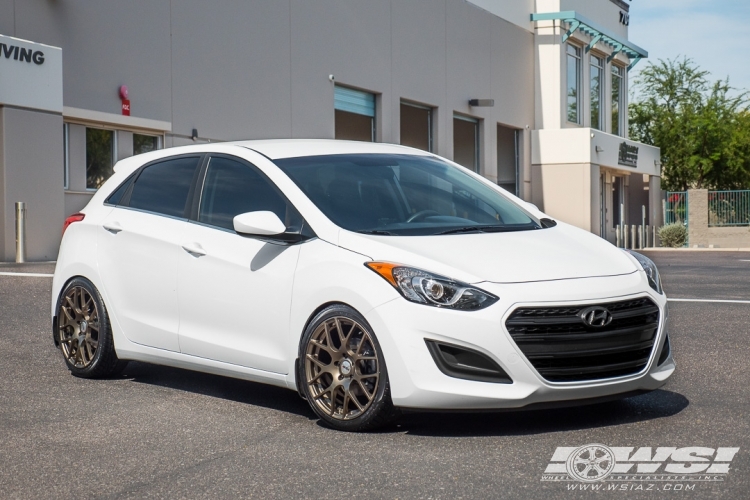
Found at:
(126, 107)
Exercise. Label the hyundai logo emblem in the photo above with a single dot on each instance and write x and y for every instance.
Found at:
(596, 316)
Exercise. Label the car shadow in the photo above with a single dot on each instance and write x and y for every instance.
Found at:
(231, 389)
(650, 406)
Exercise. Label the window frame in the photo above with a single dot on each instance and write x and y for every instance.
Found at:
(620, 72)
(578, 56)
(114, 152)
(602, 76)
(477, 140)
(306, 232)
(158, 137)
(66, 156)
(133, 178)
(430, 121)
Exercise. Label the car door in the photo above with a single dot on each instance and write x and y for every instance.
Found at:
(235, 291)
(138, 249)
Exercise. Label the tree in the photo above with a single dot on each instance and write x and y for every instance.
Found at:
(703, 129)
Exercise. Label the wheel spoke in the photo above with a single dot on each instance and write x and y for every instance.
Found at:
(316, 361)
(364, 389)
(345, 404)
(340, 333)
(320, 345)
(328, 337)
(71, 303)
(357, 403)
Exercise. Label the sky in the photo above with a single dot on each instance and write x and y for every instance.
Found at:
(714, 33)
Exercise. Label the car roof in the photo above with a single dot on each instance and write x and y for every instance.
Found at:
(275, 149)
(291, 148)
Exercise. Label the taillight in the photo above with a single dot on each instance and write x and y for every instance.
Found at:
(73, 218)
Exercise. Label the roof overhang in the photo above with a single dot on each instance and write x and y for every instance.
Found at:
(598, 34)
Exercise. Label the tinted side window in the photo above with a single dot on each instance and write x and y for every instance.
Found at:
(163, 187)
(116, 197)
(232, 188)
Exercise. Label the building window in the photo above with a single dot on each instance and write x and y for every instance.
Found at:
(66, 156)
(574, 84)
(466, 142)
(618, 95)
(100, 154)
(597, 80)
(355, 114)
(507, 158)
(145, 143)
(416, 126)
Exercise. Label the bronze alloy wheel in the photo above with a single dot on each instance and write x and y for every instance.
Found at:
(342, 371)
(78, 327)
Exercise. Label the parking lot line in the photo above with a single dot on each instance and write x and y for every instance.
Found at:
(711, 300)
(31, 275)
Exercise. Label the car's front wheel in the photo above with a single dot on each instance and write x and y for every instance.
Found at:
(344, 377)
(84, 333)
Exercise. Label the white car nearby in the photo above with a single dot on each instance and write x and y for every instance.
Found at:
(368, 277)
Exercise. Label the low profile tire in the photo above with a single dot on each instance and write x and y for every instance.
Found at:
(84, 334)
(343, 374)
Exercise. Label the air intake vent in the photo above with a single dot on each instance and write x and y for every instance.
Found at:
(586, 342)
(460, 362)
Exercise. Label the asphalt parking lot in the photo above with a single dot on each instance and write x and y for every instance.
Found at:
(161, 432)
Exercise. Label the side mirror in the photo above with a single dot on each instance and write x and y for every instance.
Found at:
(261, 223)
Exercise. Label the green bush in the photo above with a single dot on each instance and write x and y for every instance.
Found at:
(673, 235)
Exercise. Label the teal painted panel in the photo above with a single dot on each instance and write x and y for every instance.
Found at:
(354, 101)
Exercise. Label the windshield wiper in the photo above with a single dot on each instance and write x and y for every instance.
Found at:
(485, 229)
(380, 232)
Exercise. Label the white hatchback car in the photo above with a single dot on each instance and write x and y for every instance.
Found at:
(368, 277)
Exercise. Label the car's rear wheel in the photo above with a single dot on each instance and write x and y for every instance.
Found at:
(84, 333)
(344, 375)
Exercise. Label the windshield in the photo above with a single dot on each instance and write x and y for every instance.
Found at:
(403, 195)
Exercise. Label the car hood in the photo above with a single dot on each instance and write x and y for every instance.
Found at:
(556, 253)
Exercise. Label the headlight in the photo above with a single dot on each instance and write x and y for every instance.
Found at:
(431, 289)
(650, 268)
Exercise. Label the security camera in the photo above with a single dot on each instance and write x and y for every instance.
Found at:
(332, 78)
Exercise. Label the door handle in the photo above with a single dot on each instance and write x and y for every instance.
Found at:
(194, 249)
(112, 227)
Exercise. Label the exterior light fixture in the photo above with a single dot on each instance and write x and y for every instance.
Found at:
(194, 135)
(482, 103)
(599, 149)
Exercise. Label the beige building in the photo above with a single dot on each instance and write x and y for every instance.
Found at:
(532, 94)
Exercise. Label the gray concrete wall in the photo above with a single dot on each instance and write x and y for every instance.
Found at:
(107, 43)
(242, 70)
(234, 69)
(33, 175)
(700, 235)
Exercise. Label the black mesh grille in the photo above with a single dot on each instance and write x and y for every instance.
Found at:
(564, 349)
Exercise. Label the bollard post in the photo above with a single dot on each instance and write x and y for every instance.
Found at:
(618, 237)
(624, 236)
(640, 237)
(654, 236)
(20, 232)
(632, 236)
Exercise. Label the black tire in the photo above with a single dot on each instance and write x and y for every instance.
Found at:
(82, 321)
(372, 409)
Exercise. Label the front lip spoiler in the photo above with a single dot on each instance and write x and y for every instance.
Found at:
(543, 405)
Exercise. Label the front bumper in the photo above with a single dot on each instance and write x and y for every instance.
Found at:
(416, 381)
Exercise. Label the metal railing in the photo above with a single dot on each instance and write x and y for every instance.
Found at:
(729, 208)
(676, 208)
